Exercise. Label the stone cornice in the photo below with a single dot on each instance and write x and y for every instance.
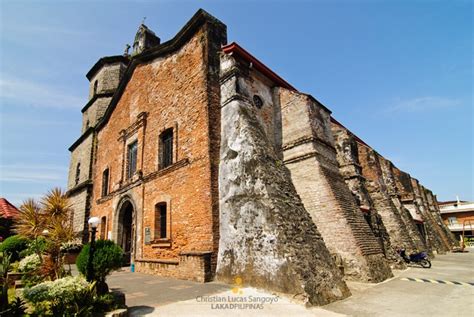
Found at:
(84, 136)
(106, 60)
(84, 185)
(141, 121)
(144, 179)
(94, 98)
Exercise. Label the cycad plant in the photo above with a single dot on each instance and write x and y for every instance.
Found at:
(49, 218)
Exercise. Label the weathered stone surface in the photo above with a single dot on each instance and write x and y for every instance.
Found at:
(266, 236)
(439, 238)
(395, 195)
(404, 189)
(310, 156)
(378, 191)
(434, 208)
(351, 170)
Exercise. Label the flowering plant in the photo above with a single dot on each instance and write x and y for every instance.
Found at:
(71, 246)
(29, 263)
(65, 296)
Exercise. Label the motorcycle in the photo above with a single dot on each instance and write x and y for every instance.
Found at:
(420, 258)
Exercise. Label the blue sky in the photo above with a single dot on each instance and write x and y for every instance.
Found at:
(399, 74)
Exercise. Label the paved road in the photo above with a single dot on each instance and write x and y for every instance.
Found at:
(405, 295)
(402, 297)
(143, 292)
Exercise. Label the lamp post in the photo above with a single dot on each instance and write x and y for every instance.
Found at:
(93, 222)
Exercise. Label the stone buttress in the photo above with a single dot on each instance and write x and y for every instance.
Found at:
(435, 212)
(351, 170)
(309, 154)
(378, 191)
(435, 233)
(267, 238)
(419, 239)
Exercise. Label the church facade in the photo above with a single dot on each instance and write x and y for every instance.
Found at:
(202, 163)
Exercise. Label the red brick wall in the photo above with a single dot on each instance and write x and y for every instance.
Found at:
(173, 91)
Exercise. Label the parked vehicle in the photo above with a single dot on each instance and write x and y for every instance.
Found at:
(420, 258)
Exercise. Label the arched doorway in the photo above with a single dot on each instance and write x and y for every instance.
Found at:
(126, 230)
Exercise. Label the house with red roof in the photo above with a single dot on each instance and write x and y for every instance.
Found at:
(7, 213)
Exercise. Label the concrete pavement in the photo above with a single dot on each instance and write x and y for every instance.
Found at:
(399, 296)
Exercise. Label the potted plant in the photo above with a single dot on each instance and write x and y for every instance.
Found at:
(71, 250)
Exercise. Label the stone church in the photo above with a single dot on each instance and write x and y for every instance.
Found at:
(202, 163)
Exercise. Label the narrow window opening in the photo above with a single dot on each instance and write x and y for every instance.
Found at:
(160, 221)
(78, 173)
(132, 159)
(105, 182)
(166, 145)
(95, 87)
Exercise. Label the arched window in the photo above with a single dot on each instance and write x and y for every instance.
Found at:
(95, 87)
(161, 218)
(78, 173)
(166, 148)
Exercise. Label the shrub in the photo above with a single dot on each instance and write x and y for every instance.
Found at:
(14, 245)
(107, 257)
(30, 267)
(69, 296)
(30, 263)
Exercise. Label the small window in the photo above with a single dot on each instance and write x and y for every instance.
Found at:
(78, 173)
(166, 148)
(103, 225)
(95, 87)
(105, 182)
(132, 159)
(452, 220)
(160, 221)
(258, 102)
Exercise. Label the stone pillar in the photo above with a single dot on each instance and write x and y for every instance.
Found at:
(395, 196)
(309, 154)
(267, 238)
(351, 170)
(378, 191)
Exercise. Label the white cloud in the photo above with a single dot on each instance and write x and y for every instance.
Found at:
(424, 103)
(32, 173)
(29, 93)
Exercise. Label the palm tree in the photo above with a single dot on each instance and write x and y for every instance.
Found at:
(30, 220)
(50, 218)
(57, 208)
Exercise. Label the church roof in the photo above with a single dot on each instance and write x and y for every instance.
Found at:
(7, 210)
(104, 61)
